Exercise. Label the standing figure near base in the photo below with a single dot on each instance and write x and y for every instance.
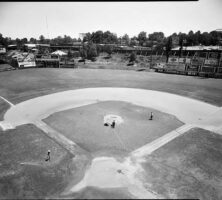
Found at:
(48, 156)
(113, 124)
(151, 116)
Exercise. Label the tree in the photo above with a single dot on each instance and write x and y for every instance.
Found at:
(98, 49)
(134, 41)
(132, 57)
(58, 40)
(83, 53)
(197, 38)
(126, 39)
(87, 37)
(47, 41)
(142, 37)
(175, 39)
(24, 41)
(32, 40)
(92, 51)
(67, 39)
(216, 37)
(108, 49)
(206, 39)
(157, 36)
(181, 41)
(7, 41)
(168, 48)
(88, 51)
(97, 37)
(74, 40)
(18, 43)
(100, 37)
(190, 38)
(41, 39)
(2, 39)
(109, 38)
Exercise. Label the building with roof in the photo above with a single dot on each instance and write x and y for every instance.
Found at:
(2, 49)
(199, 48)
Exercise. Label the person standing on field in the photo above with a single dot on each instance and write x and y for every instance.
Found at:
(151, 116)
(48, 156)
(113, 124)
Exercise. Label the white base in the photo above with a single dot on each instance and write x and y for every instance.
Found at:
(6, 125)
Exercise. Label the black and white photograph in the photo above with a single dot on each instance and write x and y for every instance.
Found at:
(111, 100)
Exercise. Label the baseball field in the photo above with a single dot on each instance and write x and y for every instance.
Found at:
(177, 154)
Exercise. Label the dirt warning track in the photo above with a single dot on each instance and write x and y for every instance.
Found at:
(187, 110)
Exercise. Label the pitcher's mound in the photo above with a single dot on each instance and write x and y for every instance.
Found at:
(108, 120)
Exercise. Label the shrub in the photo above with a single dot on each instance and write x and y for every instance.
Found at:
(132, 57)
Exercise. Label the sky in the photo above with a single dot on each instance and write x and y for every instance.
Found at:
(52, 19)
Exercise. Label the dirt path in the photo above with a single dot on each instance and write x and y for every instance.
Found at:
(212, 122)
(110, 173)
(187, 110)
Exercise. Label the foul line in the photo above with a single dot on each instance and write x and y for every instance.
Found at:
(58, 137)
(156, 144)
(11, 104)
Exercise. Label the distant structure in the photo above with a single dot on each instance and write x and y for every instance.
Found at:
(198, 60)
(219, 30)
(81, 36)
(2, 49)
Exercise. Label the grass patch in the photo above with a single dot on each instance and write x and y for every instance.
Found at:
(20, 85)
(84, 125)
(187, 167)
(24, 173)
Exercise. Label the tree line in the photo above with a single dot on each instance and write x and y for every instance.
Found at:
(155, 39)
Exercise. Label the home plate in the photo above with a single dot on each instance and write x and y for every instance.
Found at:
(6, 125)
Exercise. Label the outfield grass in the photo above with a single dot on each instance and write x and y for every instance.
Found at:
(187, 167)
(20, 85)
(84, 125)
(3, 108)
(24, 173)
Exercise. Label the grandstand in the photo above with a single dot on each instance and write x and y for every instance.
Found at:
(205, 61)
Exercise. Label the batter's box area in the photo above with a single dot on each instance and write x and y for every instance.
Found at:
(85, 126)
